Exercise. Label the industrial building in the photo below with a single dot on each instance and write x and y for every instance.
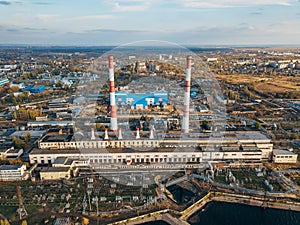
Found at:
(141, 100)
(12, 172)
(55, 173)
(58, 105)
(10, 153)
(284, 156)
(34, 89)
(243, 146)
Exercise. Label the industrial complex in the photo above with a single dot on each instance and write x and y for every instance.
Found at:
(116, 146)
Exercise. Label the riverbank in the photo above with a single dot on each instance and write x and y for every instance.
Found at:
(223, 213)
(180, 218)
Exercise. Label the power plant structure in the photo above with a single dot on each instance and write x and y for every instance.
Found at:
(124, 146)
(113, 110)
(187, 93)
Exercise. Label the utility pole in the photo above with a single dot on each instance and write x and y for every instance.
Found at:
(89, 199)
(84, 204)
(97, 206)
(21, 210)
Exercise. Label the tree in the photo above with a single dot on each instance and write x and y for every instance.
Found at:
(24, 222)
(27, 137)
(14, 89)
(204, 124)
(17, 142)
(258, 125)
(295, 136)
(17, 161)
(15, 115)
(5, 222)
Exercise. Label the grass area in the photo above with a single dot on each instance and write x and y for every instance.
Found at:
(296, 180)
(8, 211)
(238, 78)
(283, 86)
(276, 187)
(220, 179)
(55, 194)
(271, 87)
(250, 179)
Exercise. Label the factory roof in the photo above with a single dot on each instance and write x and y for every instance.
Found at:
(49, 123)
(54, 169)
(136, 150)
(57, 138)
(283, 152)
(10, 167)
(250, 135)
(33, 133)
(53, 152)
(60, 160)
(230, 136)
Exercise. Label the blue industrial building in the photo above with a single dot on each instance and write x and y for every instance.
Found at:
(141, 100)
(35, 89)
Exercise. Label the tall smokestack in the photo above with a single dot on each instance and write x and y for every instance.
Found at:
(106, 135)
(113, 110)
(120, 137)
(137, 133)
(186, 110)
(93, 134)
(151, 136)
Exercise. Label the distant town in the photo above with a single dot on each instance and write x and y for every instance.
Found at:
(90, 136)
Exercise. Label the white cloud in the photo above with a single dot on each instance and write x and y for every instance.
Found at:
(92, 17)
(46, 17)
(129, 5)
(132, 8)
(233, 3)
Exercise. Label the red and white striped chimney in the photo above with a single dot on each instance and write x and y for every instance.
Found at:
(113, 110)
(186, 110)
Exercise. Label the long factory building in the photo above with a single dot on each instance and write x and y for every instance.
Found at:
(247, 146)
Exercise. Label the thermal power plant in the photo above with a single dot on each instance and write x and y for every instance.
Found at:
(113, 110)
(186, 110)
(146, 139)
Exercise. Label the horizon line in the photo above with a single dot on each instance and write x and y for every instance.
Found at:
(124, 45)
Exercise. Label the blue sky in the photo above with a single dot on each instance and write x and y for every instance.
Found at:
(188, 22)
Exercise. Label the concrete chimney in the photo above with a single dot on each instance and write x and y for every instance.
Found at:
(138, 133)
(186, 110)
(106, 134)
(113, 110)
(120, 137)
(151, 136)
(93, 134)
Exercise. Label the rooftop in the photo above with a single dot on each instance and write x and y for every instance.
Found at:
(10, 167)
(55, 169)
(283, 152)
(57, 138)
(33, 133)
(229, 136)
(60, 160)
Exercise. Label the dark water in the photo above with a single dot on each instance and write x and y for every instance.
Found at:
(220, 213)
(159, 222)
(181, 195)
